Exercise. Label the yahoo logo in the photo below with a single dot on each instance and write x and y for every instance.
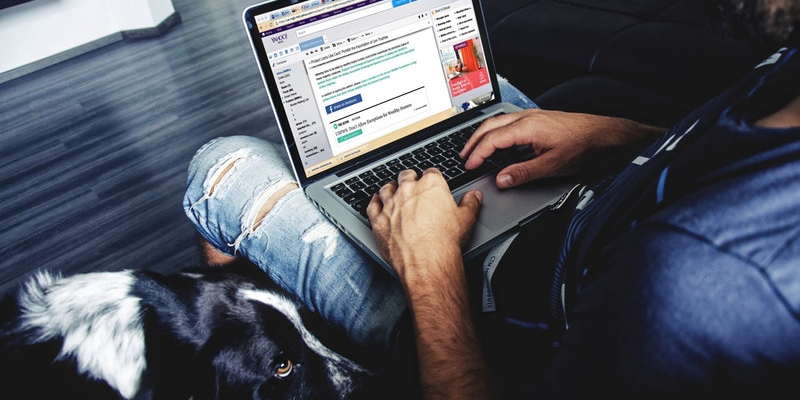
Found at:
(279, 38)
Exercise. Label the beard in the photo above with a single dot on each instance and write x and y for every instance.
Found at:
(765, 21)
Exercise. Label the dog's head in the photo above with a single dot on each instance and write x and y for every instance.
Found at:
(246, 340)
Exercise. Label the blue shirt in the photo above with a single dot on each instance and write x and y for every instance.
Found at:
(684, 272)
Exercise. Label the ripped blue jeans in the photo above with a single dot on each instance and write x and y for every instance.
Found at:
(230, 181)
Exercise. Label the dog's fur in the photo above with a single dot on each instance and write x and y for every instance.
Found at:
(205, 333)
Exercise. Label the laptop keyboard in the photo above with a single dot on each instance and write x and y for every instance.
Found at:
(358, 190)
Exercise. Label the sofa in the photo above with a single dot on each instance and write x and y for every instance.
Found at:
(652, 60)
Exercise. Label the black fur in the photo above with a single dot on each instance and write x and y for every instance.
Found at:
(206, 333)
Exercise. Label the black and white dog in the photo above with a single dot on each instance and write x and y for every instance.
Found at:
(206, 333)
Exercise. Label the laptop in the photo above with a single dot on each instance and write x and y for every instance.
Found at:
(362, 89)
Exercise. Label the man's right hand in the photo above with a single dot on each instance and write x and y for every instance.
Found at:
(417, 223)
(563, 142)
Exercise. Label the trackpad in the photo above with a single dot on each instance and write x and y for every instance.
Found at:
(502, 209)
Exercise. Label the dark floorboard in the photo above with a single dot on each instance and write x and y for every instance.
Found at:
(93, 150)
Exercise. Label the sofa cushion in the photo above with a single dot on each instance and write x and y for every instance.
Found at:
(651, 60)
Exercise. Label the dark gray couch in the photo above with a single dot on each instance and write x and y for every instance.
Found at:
(650, 60)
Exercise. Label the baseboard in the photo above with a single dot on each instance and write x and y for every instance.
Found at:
(158, 30)
(129, 35)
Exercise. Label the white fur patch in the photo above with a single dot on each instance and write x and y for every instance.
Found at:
(333, 361)
(97, 318)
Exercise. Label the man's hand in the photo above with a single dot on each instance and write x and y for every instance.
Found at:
(421, 231)
(418, 219)
(564, 142)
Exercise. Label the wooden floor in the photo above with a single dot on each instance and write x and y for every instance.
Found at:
(93, 151)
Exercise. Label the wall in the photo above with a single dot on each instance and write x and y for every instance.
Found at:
(42, 32)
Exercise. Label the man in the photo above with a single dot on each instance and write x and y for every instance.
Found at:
(679, 275)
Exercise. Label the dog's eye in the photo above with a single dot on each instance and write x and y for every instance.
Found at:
(284, 369)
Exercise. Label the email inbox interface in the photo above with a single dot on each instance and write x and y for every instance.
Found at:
(393, 68)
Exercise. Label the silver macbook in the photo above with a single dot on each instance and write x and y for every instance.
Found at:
(362, 89)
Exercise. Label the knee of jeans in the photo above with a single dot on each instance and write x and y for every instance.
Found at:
(212, 160)
(511, 94)
(223, 170)
(215, 149)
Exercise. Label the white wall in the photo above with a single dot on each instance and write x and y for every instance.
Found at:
(44, 29)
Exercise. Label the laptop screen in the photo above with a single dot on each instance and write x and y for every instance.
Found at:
(351, 76)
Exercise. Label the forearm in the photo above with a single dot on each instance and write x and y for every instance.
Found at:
(621, 132)
(451, 361)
